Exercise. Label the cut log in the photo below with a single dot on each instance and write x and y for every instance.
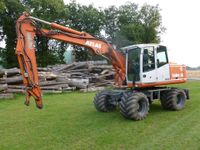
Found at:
(62, 68)
(79, 75)
(2, 73)
(50, 83)
(79, 83)
(105, 75)
(47, 75)
(52, 91)
(98, 62)
(78, 70)
(16, 87)
(2, 81)
(12, 72)
(92, 89)
(101, 67)
(42, 79)
(3, 87)
(61, 79)
(40, 69)
(6, 96)
(15, 91)
(52, 88)
(106, 71)
(68, 89)
(14, 80)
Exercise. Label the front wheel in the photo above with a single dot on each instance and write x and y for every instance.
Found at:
(134, 105)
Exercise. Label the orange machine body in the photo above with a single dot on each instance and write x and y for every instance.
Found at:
(27, 30)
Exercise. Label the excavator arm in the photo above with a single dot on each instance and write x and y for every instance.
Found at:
(27, 29)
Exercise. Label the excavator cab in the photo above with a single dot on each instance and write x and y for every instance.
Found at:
(147, 64)
(148, 72)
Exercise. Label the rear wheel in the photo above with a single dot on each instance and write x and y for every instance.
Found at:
(173, 99)
(102, 102)
(134, 105)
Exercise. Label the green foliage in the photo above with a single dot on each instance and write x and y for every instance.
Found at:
(52, 11)
(124, 25)
(2, 6)
(46, 55)
(12, 9)
(70, 121)
(133, 25)
(88, 19)
(85, 18)
(2, 10)
(128, 14)
(150, 19)
(111, 25)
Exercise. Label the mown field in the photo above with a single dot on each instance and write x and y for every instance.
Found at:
(70, 121)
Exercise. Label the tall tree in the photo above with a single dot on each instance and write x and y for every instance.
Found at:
(151, 21)
(52, 11)
(133, 25)
(111, 22)
(2, 10)
(10, 11)
(128, 14)
(84, 18)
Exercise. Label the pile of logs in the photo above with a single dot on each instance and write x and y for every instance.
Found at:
(83, 76)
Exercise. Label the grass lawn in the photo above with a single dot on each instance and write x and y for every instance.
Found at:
(70, 121)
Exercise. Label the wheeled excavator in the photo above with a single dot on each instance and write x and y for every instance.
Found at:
(142, 71)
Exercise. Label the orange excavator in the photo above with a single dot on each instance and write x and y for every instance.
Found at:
(141, 70)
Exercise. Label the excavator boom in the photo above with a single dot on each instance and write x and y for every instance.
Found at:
(27, 29)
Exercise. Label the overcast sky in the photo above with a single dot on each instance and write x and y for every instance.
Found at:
(182, 20)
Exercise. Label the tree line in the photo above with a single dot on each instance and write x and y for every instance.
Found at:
(124, 25)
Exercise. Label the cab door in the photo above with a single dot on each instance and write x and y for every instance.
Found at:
(133, 65)
(148, 65)
(162, 64)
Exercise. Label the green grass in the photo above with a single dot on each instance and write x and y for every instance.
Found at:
(70, 121)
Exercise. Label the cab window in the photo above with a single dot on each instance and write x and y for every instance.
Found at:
(161, 56)
(148, 59)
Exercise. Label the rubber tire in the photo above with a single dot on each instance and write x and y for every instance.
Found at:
(129, 105)
(101, 102)
(173, 99)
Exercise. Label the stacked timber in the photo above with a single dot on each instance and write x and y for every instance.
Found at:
(83, 76)
(8, 76)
